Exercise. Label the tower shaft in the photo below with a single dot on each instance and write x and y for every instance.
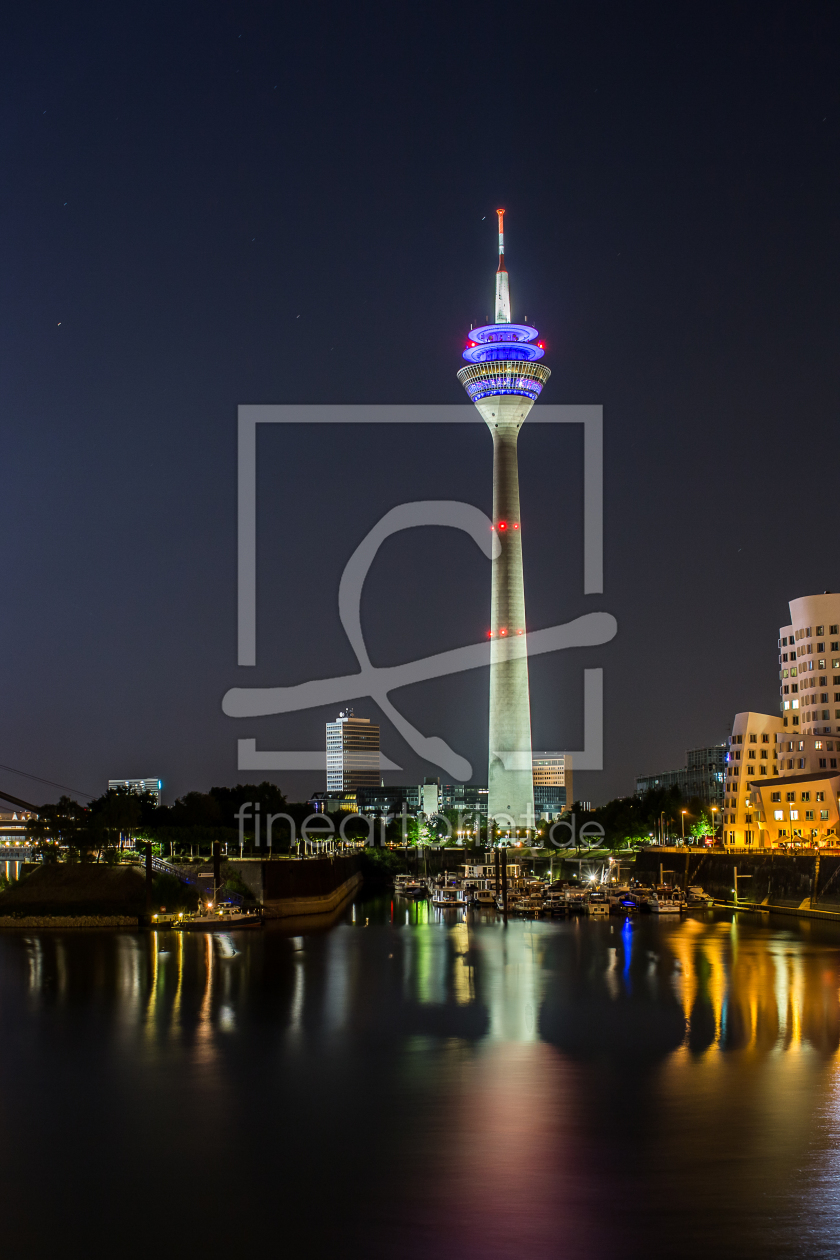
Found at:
(509, 773)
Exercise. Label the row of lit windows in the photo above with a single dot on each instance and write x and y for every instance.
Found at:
(821, 664)
(822, 698)
(791, 796)
(806, 634)
(797, 833)
(808, 684)
(807, 651)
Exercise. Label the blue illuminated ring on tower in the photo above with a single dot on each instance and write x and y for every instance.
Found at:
(503, 332)
(504, 351)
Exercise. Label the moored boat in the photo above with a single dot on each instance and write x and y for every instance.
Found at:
(449, 898)
(218, 918)
(415, 888)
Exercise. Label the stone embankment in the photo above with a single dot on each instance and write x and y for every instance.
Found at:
(93, 896)
(287, 887)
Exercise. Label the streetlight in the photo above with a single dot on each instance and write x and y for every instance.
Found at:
(714, 810)
(682, 813)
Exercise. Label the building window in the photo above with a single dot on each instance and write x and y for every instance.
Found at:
(819, 796)
(822, 763)
(818, 744)
(752, 754)
(824, 815)
(764, 754)
(833, 761)
(790, 796)
(775, 796)
(753, 739)
(762, 769)
(820, 630)
(765, 739)
(778, 814)
(794, 815)
(809, 815)
(834, 629)
(806, 796)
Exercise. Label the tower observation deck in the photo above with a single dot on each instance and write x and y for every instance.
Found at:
(504, 377)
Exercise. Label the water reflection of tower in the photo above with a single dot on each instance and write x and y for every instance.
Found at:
(504, 379)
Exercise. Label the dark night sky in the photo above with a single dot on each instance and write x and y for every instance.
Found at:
(211, 204)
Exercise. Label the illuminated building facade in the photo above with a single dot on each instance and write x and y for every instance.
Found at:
(782, 776)
(141, 787)
(552, 773)
(352, 753)
(504, 378)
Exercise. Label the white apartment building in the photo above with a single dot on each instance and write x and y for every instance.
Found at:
(352, 753)
(782, 776)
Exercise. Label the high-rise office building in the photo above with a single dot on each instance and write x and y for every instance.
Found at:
(504, 378)
(142, 787)
(352, 753)
(552, 783)
(782, 777)
(702, 776)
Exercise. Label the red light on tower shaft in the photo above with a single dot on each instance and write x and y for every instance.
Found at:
(502, 524)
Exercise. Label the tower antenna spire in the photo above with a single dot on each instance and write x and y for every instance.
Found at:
(502, 278)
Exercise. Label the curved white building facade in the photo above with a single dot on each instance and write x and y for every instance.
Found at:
(783, 771)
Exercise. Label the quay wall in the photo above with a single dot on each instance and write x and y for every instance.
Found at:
(291, 887)
(779, 879)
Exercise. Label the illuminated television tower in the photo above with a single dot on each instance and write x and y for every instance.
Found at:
(504, 379)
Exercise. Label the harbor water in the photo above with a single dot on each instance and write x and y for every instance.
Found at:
(411, 1082)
